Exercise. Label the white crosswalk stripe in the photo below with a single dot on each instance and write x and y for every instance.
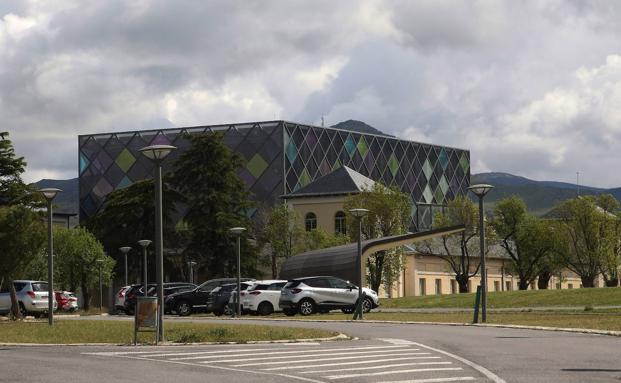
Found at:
(363, 361)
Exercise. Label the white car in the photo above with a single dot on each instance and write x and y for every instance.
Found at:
(119, 299)
(32, 297)
(262, 298)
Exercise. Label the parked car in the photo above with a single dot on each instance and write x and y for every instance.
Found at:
(218, 301)
(67, 301)
(32, 297)
(132, 294)
(188, 302)
(262, 298)
(322, 294)
(119, 299)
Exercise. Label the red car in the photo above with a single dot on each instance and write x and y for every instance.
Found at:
(67, 301)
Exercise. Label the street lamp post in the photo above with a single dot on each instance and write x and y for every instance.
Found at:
(359, 214)
(144, 243)
(50, 194)
(237, 231)
(480, 190)
(99, 262)
(191, 264)
(157, 153)
(125, 250)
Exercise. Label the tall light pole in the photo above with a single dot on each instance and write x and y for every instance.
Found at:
(480, 190)
(144, 243)
(125, 250)
(191, 264)
(359, 214)
(99, 262)
(157, 153)
(50, 194)
(237, 231)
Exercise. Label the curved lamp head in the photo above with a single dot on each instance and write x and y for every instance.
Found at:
(192, 263)
(144, 242)
(157, 152)
(480, 190)
(125, 249)
(237, 230)
(359, 213)
(49, 193)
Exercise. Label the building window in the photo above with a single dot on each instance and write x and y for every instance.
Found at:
(454, 288)
(422, 286)
(310, 221)
(508, 285)
(340, 226)
(570, 285)
(438, 286)
(496, 285)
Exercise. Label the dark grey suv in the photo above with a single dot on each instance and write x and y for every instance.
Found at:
(322, 294)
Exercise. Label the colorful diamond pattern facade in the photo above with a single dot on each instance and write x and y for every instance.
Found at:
(280, 158)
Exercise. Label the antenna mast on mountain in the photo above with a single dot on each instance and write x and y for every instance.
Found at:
(578, 183)
(322, 121)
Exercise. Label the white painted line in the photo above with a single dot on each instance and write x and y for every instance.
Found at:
(332, 377)
(319, 360)
(297, 352)
(206, 352)
(375, 367)
(437, 380)
(349, 363)
(488, 374)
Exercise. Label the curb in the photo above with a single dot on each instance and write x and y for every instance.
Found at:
(338, 337)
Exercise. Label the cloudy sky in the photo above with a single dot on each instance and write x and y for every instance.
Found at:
(530, 87)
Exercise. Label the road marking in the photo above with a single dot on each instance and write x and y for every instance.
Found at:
(316, 360)
(160, 354)
(488, 374)
(297, 352)
(349, 363)
(332, 377)
(373, 367)
(436, 380)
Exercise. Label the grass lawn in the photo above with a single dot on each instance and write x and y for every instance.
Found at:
(514, 299)
(85, 331)
(607, 320)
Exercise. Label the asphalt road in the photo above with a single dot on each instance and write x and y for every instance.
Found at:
(383, 353)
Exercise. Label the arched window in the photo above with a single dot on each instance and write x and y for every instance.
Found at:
(310, 221)
(340, 226)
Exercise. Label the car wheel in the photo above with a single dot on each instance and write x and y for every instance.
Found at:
(306, 307)
(289, 312)
(367, 304)
(348, 310)
(265, 308)
(228, 311)
(183, 309)
(22, 310)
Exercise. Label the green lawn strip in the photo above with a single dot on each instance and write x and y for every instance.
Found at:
(610, 321)
(514, 299)
(85, 331)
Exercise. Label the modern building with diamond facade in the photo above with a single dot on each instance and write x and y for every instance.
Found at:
(282, 157)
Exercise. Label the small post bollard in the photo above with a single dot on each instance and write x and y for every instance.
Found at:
(477, 303)
(358, 307)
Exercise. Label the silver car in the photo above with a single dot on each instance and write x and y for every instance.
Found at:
(322, 294)
(32, 297)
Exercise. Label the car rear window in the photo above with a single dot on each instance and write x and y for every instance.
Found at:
(39, 286)
(261, 286)
(318, 282)
(277, 286)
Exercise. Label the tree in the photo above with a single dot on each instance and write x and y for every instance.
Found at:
(207, 176)
(587, 236)
(389, 214)
(12, 188)
(129, 216)
(22, 238)
(279, 232)
(526, 239)
(318, 239)
(460, 251)
(611, 258)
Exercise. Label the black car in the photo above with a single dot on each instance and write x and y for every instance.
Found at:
(218, 301)
(188, 302)
(132, 294)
